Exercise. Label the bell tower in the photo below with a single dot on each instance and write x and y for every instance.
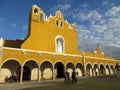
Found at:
(37, 14)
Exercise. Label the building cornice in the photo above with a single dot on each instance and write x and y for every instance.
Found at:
(54, 53)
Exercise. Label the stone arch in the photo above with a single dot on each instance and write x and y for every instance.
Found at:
(102, 69)
(89, 70)
(107, 69)
(46, 68)
(9, 68)
(70, 68)
(96, 69)
(79, 69)
(59, 69)
(30, 70)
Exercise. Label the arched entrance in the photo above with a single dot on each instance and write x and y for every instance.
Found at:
(79, 69)
(59, 70)
(102, 69)
(30, 70)
(8, 69)
(96, 70)
(26, 73)
(46, 70)
(70, 68)
(89, 70)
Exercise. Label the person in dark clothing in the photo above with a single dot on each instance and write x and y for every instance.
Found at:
(74, 78)
(67, 77)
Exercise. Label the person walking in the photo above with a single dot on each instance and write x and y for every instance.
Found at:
(74, 78)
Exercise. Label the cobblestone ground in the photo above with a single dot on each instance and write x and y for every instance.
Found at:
(17, 86)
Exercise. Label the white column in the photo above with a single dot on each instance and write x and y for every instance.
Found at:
(38, 73)
(21, 75)
(53, 73)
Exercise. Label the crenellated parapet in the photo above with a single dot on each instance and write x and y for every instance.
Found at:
(38, 15)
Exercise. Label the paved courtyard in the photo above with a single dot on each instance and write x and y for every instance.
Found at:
(17, 86)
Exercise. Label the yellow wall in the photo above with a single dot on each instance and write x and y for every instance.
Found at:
(42, 35)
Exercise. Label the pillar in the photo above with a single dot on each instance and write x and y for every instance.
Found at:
(84, 66)
(93, 70)
(41, 74)
(38, 73)
(53, 73)
(21, 75)
(65, 69)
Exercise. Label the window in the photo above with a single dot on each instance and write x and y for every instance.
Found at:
(61, 24)
(41, 17)
(59, 45)
(57, 23)
(35, 10)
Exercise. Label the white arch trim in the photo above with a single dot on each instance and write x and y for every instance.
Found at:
(88, 63)
(107, 65)
(101, 64)
(46, 60)
(95, 64)
(79, 63)
(69, 62)
(111, 65)
(30, 60)
(9, 60)
(58, 61)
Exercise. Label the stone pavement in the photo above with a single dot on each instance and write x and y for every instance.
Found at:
(17, 86)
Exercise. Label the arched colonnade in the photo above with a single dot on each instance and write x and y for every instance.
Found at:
(32, 70)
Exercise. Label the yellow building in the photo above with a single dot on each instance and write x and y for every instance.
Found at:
(49, 50)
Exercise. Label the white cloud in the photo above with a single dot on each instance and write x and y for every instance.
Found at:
(63, 7)
(14, 25)
(114, 23)
(107, 35)
(88, 15)
(98, 28)
(113, 12)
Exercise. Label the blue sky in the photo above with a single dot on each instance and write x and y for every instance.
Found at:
(97, 21)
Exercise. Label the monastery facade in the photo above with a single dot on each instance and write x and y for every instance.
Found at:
(49, 50)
